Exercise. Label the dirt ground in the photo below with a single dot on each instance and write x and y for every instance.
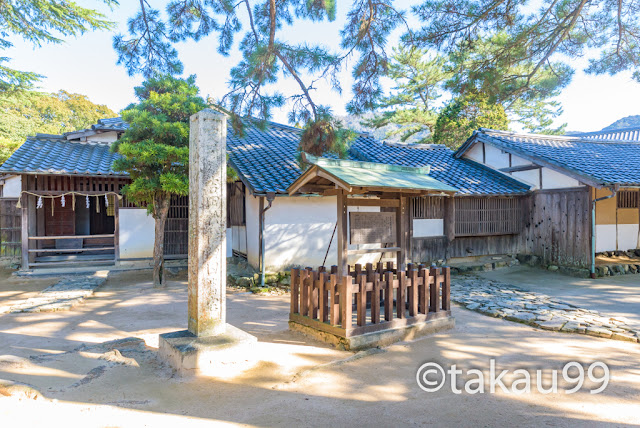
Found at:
(287, 379)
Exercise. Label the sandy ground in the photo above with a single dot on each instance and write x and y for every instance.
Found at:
(611, 295)
(287, 379)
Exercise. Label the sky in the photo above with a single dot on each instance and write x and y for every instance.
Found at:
(87, 65)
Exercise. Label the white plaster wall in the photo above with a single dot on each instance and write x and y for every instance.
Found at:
(518, 161)
(423, 227)
(298, 231)
(531, 177)
(628, 237)
(12, 187)
(137, 232)
(552, 179)
(605, 237)
(496, 158)
(475, 152)
(105, 137)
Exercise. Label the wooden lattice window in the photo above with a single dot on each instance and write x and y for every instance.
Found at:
(431, 207)
(629, 199)
(487, 216)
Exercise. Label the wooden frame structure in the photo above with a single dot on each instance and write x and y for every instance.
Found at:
(323, 301)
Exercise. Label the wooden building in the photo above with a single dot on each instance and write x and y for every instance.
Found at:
(70, 203)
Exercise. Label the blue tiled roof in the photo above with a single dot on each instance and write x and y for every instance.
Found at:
(266, 159)
(605, 162)
(60, 156)
(622, 134)
(111, 124)
(470, 178)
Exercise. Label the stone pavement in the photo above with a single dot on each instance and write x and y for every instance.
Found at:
(507, 301)
(61, 296)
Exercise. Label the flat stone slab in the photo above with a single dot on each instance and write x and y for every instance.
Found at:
(61, 296)
(192, 355)
(507, 301)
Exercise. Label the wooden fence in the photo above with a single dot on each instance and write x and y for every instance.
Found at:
(10, 229)
(368, 300)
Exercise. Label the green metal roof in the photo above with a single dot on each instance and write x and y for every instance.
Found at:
(369, 174)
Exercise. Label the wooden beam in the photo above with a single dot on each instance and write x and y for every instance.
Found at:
(450, 218)
(342, 233)
(519, 168)
(365, 202)
(375, 250)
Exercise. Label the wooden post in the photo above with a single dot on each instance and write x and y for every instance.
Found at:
(116, 229)
(388, 297)
(345, 301)
(449, 223)
(402, 291)
(446, 289)
(24, 201)
(362, 300)
(402, 232)
(375, 300)
(295, 290)
(435, 290)
(342, 233)
(334, 316)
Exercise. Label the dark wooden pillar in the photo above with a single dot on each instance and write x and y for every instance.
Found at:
(450, 218)
(341, 212)
(24, 201)
(402, 231)
(116, 228)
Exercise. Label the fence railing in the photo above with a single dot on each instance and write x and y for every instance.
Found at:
(369, 299)
(94, 249)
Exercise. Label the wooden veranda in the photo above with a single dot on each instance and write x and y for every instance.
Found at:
(407, 295)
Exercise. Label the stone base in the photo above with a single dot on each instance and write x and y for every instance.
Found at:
(219, 356)
(378, 338)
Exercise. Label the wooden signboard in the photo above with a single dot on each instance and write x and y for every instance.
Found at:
(372, 227)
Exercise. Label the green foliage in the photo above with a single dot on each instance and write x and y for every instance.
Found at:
(465, 114)
(24, 113)
(267, 58)
(326, 135)
(38, 22)
(478, 67)
(419, 80)
(155, 148)
(522, 51)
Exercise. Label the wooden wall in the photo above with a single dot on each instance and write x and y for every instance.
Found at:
(10, 229)
(556, 226)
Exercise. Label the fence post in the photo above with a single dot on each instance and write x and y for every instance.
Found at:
(401, 296)
(361, 303)
(295, 290)
(334, 316)
(388, 297)
(446, 289)
(423, 294)
(435, 290)
(375, 300)
(413, 295)
(345, 302)
(304, 299)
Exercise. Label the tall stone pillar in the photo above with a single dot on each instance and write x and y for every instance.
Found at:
(209, 346)
(207, 223)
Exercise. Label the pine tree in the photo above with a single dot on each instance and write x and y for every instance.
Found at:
(155, 150)
(268, 58)
(38, 22)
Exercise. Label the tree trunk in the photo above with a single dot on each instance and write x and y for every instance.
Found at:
(161, 211)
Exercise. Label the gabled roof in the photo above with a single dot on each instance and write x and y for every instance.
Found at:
(357, 176)
(470, 178)
(111, 124)
(595, 162)
(51, 155)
